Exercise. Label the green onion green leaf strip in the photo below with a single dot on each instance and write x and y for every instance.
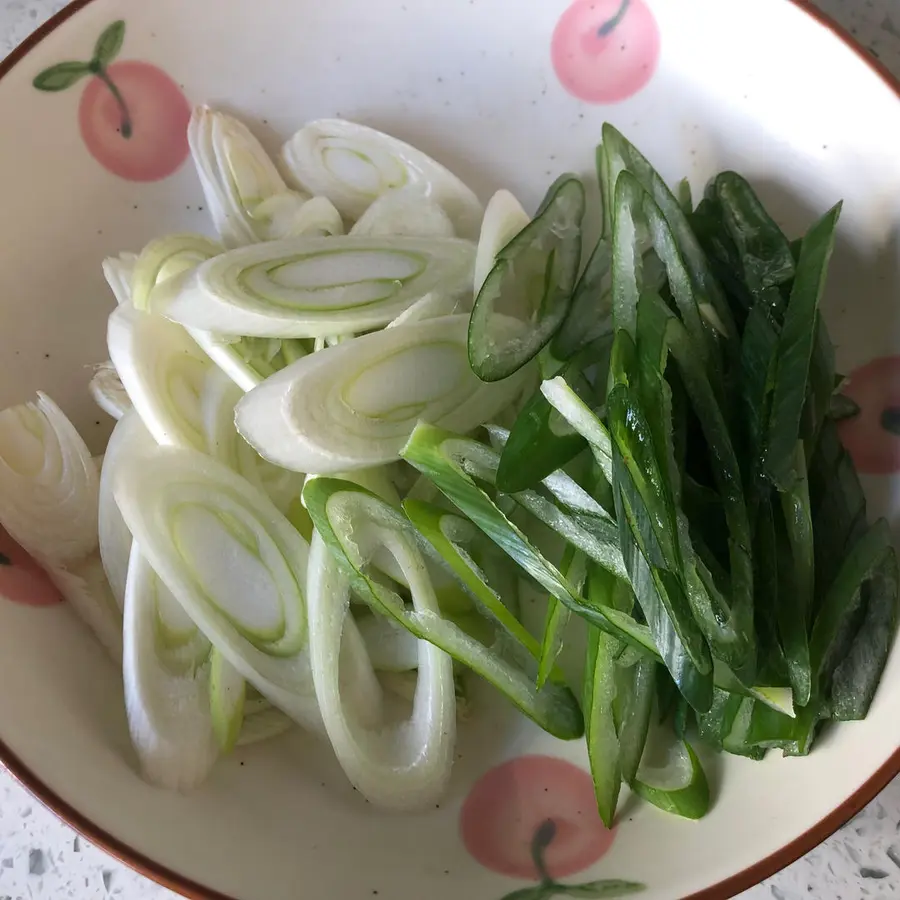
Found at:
(234, 563)
(539, 443)
(765, 253)
(504, 218)
(590, 314)
(404, 765)
(237, 176)
(866, 583)
(354, 523)
(599, 723)
(405, 212)
(574, 568)
(448, 535)
(163, 371)
(49, 484)
(533, 279)
(313, 286)
(566, 401)
(680, 788)
(355, 405)
(166, 670)
(795, 350)
(794, 609)
(353, 165)
(618, 154)
(438, 455)
(108, 391)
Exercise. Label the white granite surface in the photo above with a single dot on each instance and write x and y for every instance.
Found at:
(43, 859)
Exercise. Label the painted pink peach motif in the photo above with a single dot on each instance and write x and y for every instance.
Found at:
(132, 116)
(605, 51)
(535, 818)
(22, 580)
(870, 431)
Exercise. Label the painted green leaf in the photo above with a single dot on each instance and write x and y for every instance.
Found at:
(109, 43)
(602, 890)
(61, 76)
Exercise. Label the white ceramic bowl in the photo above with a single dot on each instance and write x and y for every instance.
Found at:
(507, 93)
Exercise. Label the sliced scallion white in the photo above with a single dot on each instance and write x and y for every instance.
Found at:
(398, 766)
(406, 211)
(83, 584)
(355, 405)
(431, 306)
(390, 646)
(237, 176)
(108, 391)
(353, 165)
(263, 726)
(118, 271)
(165, 258)
(49, 484)
(166, 670)
(163, 371)
(314, 286)
(129, 436)
(236, 565)
(504, 218)
(227, 693)
(354, 524)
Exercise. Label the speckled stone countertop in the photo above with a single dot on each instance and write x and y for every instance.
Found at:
(43, 859)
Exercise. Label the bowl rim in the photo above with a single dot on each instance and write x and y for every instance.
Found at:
(187, 887)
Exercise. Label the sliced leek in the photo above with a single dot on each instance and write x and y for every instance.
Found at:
(165, 258)
(354, 165)
(355, 405)
(314, 286)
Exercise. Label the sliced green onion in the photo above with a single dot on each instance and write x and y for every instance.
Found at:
(166, 670)
(404, 765)
(314, 287)
(108, 391)
(355, 405)
(680, 787)
(795, 349)
(236, 175)
(533, 279)
(503, 219)
(354, 523)
(354, 165)
(391, 647)
(227, 695)
(233, 562)
(49, 484)
(165, 258)
(163, 371)
(119, 271)
(405, 212)
(438, 454)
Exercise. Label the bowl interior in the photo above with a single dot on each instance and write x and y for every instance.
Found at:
(473, 84)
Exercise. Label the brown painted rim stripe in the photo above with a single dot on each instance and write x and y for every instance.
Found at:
(722, 891)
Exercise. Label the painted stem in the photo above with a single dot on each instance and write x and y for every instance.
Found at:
(609, 26)
(126, 128)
